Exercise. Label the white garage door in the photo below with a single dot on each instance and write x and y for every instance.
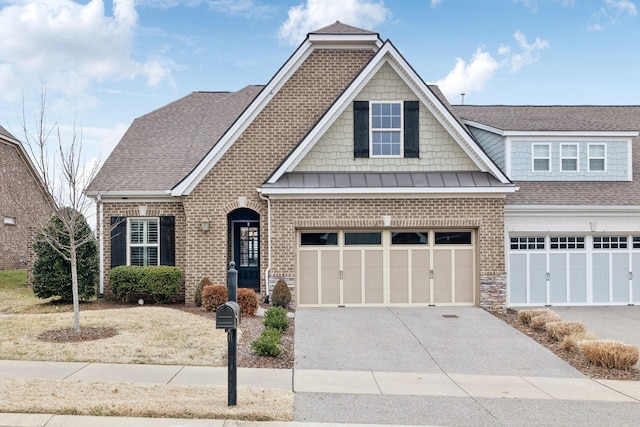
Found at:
(574, 270)
(351, 268)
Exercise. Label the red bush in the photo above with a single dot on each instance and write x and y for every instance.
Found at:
(213, 296)
(248, 301)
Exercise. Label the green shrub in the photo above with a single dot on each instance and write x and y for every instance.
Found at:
(160, 282)
(213, 296)
(124, 280)
(198, 298)
(52, 273)
(281, 294)
(276, 318)
(248, 301)
(268, 344)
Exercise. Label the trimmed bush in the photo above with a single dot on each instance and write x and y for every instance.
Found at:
(559, 330)
(539, 322)
(276, 318)
(161, 282)
(248, 301)
(572, 341)
(525, 316)
(268, 344)
(610, 354)
(281, 294)
(198, 298)
(124, 280)
(213, 296)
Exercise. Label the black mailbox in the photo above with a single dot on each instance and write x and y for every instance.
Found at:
(228, 315)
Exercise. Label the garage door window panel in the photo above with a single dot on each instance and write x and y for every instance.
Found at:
(453, 238)
(411, 238)
(360, 239)
(610, 242)
(319, 239)
(566, 243)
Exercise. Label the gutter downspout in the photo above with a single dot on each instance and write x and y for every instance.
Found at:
(101, 237)
(268, 270)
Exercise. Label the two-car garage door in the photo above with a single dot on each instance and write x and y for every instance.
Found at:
(574, 270)
(373, 267)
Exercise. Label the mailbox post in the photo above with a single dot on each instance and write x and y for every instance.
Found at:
(228, 318)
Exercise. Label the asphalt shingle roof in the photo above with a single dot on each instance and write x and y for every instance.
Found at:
(162, 147)
(6, 133)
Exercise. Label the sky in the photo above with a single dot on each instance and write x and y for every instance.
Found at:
(104, 62)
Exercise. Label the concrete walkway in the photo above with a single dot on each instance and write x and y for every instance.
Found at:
(401, 385)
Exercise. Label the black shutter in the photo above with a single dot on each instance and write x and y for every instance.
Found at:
(411, 129)
(360, 129)
(118, 241)
(167, 240)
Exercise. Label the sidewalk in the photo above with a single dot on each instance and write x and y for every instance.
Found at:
(303, 381)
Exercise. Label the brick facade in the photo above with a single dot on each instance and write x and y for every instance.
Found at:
(22, 202)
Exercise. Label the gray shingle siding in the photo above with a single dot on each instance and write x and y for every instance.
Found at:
(491, 143)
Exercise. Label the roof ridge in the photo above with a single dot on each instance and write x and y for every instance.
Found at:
(341, 29)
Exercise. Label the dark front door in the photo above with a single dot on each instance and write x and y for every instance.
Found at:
(246, 253)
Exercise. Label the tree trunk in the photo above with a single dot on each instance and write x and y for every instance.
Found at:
(74, 287)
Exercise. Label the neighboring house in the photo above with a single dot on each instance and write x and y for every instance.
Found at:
(24, 204)
(573, 228)
(348, 177)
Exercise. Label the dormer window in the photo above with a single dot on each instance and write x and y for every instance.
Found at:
(386, 129)
(597, 158)
(569, 157)
(541, 158)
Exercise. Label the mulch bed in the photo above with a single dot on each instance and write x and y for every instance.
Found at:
(70, 335)
(573, 358)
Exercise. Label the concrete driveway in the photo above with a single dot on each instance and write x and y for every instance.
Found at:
(452, 340)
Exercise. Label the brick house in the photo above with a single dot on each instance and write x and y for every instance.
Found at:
(346, 175)
(24, 204)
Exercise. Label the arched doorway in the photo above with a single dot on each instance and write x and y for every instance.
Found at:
(244, 246)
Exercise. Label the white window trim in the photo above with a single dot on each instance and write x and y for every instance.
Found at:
(129, 245)
(589, 157)
(576, 158)
(534, 158)
(371, 130)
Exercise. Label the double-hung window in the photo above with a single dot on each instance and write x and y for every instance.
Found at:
(541, 158)
(597, 158)
(144, 241)
(569, 157)
(386, 129)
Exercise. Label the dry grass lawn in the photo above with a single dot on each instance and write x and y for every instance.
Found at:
(146, 334)
(141, 400)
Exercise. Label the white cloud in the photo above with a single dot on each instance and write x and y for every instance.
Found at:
(315, 14)
(475, 75)
(529, 53)
(611, 13)
(435, 3)
(469, 77)
(69, 46)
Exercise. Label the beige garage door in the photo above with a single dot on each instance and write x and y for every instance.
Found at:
(351, 268)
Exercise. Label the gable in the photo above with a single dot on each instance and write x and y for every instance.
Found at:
(334, 151)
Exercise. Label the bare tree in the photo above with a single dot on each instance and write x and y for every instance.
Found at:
(65, 176)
